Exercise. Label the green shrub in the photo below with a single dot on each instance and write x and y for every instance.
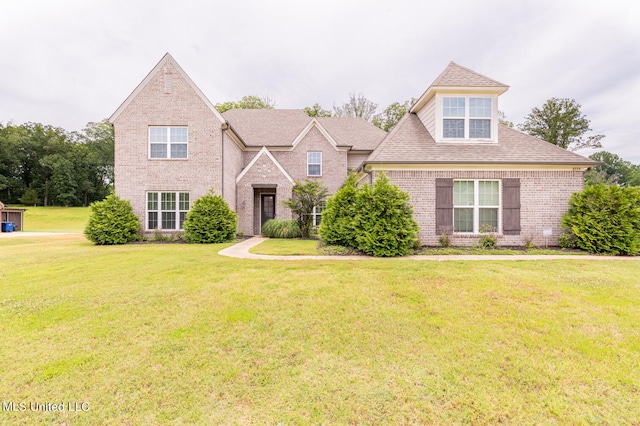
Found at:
(112, 221)
(384, 220)
(445, 238)
(281, 228)
(210, 220)
(489, 240)
(605, 219)
(337, 227)
(567, 241)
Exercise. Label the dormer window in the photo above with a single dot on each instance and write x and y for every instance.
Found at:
(466, 117)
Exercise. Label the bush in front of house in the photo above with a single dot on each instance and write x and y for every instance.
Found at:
(210, 221)
(281, 228)
(384, 221)
(112, 221)
(605, 219)
(337, 227)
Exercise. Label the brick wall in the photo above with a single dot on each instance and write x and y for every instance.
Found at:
(135, 173)
(544, 197)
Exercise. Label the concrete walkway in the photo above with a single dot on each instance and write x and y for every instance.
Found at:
(241, 251)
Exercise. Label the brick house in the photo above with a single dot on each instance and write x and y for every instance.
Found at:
(461, 168)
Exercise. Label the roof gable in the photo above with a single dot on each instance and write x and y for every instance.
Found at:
(166, 60)
(458, 78)
(264, 151)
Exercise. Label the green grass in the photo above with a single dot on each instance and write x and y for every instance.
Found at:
(175, 334)
(286, 247)
(55, 219)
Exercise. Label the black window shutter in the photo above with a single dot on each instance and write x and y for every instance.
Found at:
(511, 206)
(444, 205)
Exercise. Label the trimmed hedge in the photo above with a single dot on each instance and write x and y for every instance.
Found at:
(112, 221)
(375, 219)
(337, 227)
(210, 221)
(605, 219)
(281, 228)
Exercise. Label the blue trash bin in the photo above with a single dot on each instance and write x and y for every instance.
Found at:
(8, 226)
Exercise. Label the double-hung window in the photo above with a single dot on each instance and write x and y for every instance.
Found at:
(168, 142)
(167, 210)
(476, 206)
(466, 117)
(314, 163)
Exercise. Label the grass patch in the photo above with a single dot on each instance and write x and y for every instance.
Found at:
(55, 219)
(286, 247)
(175, 334)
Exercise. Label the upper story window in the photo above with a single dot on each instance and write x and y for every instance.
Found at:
(314, 163)
(466, 117)
(168, 142)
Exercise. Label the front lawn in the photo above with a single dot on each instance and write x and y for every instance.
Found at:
(55, 219)
(176, 334)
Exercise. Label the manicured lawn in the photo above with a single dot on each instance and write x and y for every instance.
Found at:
(175, 334)
(287, 247)
(55, 219)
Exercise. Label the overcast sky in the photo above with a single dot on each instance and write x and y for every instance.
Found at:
(69, 62)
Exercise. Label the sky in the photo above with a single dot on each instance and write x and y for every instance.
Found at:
(69, 62)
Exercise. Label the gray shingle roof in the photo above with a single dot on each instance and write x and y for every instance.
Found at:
(458, 76)
(410, 142)
(280, 127)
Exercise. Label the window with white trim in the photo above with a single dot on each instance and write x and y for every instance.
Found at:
(168, 142)
(314, 163)
(476, 206)
(166, 210)
(466, 117)
(317, 212)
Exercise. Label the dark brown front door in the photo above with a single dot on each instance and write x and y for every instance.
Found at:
(268, 208)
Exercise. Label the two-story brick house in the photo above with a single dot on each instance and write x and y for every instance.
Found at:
(461, 168)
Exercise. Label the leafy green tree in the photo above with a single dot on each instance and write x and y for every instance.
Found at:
(613, 170)
(338, 226)
(30, 197)
(561, 123)
(247, 102)
(317, 111)
(384, 220)
(210, 221)
(306, 196)
(112, 221)
(357, 106)
(392, 115)
(605, 219)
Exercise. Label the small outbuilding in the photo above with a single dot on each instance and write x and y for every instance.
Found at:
(13, 215)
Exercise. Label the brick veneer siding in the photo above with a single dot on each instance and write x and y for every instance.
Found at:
(334, 163)
(264, 171)
(135, 173)
(232, 168)
(544, 197)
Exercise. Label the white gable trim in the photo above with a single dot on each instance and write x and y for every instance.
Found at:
(158, 68)
(266, 152)
(322, 130)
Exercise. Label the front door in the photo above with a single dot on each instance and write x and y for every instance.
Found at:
(268, 208)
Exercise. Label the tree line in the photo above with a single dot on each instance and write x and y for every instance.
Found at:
(46, 165)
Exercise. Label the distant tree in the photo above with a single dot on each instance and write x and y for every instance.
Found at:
(306, 196)
(247, 102)
(391, 115)
(30, 197)
(613, 170)
(317, 111)
(561, 123)
(502, 118)
(357, 106)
